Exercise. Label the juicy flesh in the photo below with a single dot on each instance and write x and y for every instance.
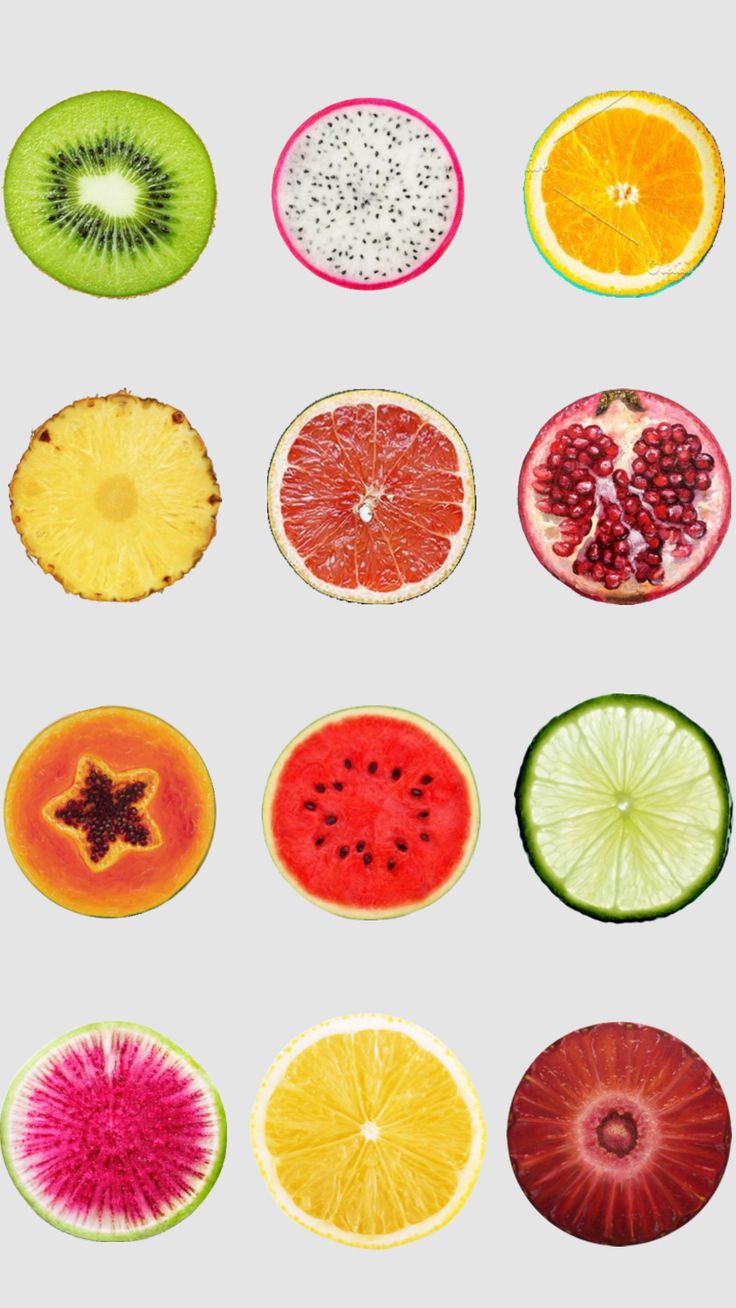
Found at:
(116, 497)
(623, 191)
(106, 812)
(111, 1132)
(629, 510)
(371, 813)
(372, 497)
(625, 808)
(367, 194)
(368, 1132)
(619, 1133)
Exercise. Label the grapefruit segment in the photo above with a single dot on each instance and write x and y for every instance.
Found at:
(371, 496)
(371, 812)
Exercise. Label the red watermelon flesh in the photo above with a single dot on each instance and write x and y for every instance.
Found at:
(372, 812)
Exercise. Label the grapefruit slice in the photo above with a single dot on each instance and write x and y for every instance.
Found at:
(113, 1133)
(619, 1133)
(371, 812)
(371, 496)
(624, 193)
(367, 1130)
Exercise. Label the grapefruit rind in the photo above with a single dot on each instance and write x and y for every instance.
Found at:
(700, 242)
(528, 828)
(363, 594)
(432, 257)
(117, 1237)
(373, 914)
(426, 1041)
(199, 774)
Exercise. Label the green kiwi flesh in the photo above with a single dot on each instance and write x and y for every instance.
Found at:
(110, 193)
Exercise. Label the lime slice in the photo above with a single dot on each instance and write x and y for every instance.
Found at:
(624, 808)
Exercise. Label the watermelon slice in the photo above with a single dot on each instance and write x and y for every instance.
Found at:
(371, 496)
(113, 1133)
(371, 812)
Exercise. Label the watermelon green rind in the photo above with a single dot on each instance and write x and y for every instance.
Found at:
(368, 396)
(526, 826)
(116, 1236)
(341, 910)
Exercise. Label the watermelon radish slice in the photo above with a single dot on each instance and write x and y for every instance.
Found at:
(113, 1133)
(371, 812)
(619, 1133)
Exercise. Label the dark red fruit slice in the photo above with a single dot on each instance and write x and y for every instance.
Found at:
(619, 1133)
(625, 496)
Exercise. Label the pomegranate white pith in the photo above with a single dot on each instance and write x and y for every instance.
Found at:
(625, 496)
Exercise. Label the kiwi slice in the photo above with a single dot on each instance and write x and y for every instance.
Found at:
(110, 193)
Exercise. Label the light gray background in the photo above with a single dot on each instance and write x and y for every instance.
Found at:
(241, 654)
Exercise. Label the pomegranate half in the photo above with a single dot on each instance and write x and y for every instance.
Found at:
(625, 496)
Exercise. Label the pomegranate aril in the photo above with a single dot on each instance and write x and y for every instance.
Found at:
(542, 472)
(612, 580)
(696, 530)
(639, 467)
(639, 483)
(650, 436)
(661, 511)
(702, 481)
(563, 549)
(689, 514)
(676, 511)
(651, 456)
(651, 497)
(603, 468)
(675, 479)
(685, 495)
(694, 445)
(677, 432)
(621, 477)
(703, 462)
(660, 480)
(682, 551)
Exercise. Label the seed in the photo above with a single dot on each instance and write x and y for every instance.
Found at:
(330, 820)
(360, 846)
(396, 774)
(367, 859)
(424, 813)
(416, 792)
(391, 866)
(402, 845)
(310, 804)
(320, 788)
(426, 779)
(702, 481)
(337, 785)
(343, 851)
(319, 841)
(348, 764)
(372, 767)
(696, 530)
(424, 835)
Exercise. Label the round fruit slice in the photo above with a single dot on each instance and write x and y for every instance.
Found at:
(367, 193)
(110, 193)
(109, 812)
(625, 496)
(619, 1133)
(113, 1133)
(624, 808)
(624, 193)
(115, 497)
(368, 1131)
(371, 496)
(371, 812)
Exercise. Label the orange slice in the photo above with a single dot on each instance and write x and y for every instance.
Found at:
(371, 496)
(624, 193)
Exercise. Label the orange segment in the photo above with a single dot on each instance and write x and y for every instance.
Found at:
(371, 496)
(624, 193)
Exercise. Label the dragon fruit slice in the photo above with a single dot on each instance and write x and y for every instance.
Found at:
(367, 193)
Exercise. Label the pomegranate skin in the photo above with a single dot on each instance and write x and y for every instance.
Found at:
(625, 496)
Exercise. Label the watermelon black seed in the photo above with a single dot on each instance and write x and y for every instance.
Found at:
(310, 804)
(424, 813)
(426, 780)
(416, 792)
(348, 764)
(391, 866)
(360, 846)
(402, 845)
(330, 819)
(320, 788)
(337, 785)
(396, 774)
(423, 835)
(319, 841)
(367, 859)
(343, 851)
(373, 767)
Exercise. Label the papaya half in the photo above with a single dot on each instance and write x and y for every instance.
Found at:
(109, 812)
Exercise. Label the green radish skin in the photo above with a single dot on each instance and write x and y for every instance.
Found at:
(528, 828)
(191, 1067)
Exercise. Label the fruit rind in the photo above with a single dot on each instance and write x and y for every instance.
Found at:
(404, 715)
(654, 103)
(74, 282)
(279, 460)
(166, 1223)
(146, 721)
(525, 826)
(427, 1041)
(449, 235)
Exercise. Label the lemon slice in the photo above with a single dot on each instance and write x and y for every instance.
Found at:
(368, 1131)
(624, 193)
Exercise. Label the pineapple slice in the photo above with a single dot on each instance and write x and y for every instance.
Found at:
(115, 497)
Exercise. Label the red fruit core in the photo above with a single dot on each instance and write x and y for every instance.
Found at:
(617, 1133)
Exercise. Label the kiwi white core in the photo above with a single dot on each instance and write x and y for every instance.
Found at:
(112, 193)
